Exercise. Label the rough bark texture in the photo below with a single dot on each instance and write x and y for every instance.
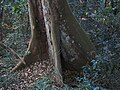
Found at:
(53, 35)
(73, 43)
(54, 27)
(38, 46)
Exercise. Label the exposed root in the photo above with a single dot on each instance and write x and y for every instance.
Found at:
(27, 59)
(20, 64)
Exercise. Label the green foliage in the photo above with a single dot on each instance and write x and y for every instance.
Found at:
(107, 62)
(19, 7)
(15, 31)
(42, 84)
(15, 6)
(6, 80)
(47, 84)
(107, 10)
(105, 35)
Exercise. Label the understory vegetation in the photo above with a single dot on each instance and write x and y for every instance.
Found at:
(100, 24)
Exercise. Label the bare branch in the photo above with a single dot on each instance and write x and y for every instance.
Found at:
(12, 51)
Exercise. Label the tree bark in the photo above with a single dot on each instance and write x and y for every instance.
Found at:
(57, 35)
(75, 45)
(38, 46)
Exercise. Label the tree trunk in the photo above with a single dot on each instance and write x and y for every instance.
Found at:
(74, 43)
(38, 46)
(57, 35)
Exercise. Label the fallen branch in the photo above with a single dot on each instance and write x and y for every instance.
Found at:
(12, 51)
(16, 67)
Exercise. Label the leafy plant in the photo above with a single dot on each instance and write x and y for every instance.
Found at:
(6, 80)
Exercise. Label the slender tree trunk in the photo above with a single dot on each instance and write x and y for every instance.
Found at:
(38, 46)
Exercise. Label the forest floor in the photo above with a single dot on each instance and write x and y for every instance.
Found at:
(106, 41)
(107, 44)
(27, 77)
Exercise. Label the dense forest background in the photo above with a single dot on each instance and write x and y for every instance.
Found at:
(101, 21)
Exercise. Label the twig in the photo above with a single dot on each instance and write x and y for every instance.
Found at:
(12, 51)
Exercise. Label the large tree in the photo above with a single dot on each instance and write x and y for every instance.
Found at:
(56, 35)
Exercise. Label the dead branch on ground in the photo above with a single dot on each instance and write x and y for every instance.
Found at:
(12, 51)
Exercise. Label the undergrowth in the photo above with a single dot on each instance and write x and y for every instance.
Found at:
(106, 64)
